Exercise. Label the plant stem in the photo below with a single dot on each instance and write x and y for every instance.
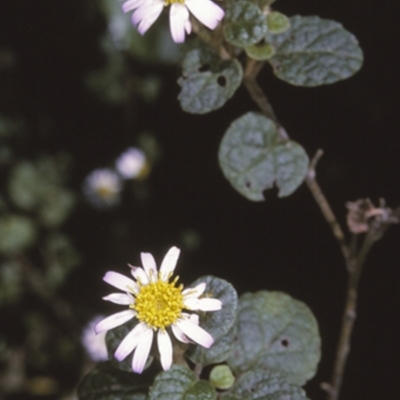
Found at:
(354, 258)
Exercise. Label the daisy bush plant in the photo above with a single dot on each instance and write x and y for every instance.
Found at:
(200, 341)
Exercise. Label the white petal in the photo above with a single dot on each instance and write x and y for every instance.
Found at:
(130, 341)
(178, 21)
(120, 282)
(149, 265)
(194, 332)
(179, 334)
(142, 351)
(207, 12)
(169, 262)
(205, 304)
(131, 5)
(146, 14)
(165, 348)
(194, 318)
(208, 304)
(114, 320)
(120, 298)
(194, 292)
(139, 274)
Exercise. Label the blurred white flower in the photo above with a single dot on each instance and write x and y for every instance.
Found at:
(102, 187)
(147, 11)
(95, 345)
(157, 303)
(131, 163)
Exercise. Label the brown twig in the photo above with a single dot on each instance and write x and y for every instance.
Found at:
(354, 257)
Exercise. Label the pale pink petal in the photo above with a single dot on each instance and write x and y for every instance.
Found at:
(131, 5)
(120, 281)
(130, 341)
(179, 334)
(142, 351)
(194, 292)
(139, 274)
(165, 348)
(169, 262)
(194, 332)
(149, 265)
(207, 12)
(114, 320)
(178, 21)
(146, 15)
(120, 298)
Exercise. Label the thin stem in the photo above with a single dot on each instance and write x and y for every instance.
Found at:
(325, 208)
(354, 259)
(253, 68)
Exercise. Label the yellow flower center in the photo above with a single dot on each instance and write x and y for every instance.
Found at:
(159, 304)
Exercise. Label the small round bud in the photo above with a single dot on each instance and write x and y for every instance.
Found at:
(260, 52)
(277, 22)
(221, 377)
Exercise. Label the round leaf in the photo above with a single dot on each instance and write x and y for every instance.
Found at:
(107, 383)
(219, 324)
(207, 82)
(180, 383)
(217, 353)
(244, 24)
(277, 22)
(276, 332)
(253, 158)
(265, 385)
(260, 52)
(314, 52)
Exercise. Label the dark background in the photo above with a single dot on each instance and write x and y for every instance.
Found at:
(279, 244)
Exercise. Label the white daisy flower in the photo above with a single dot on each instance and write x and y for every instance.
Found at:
(158, 304)
(147, 11)
(132, 163)
(102, 187)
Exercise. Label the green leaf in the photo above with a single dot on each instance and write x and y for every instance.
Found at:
(180, 383)
(276, 332)
(265, 385)
(314, 52)
(219, 324)
(207, 82)
(217, 353)
(253, 158)
(244, 24)
(107, 383)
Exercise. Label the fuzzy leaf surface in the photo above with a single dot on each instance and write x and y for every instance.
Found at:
(105, 382)
(207, 82)
(265, 385)
(276, 332)
(244, 24)
(219, 324)
(314, 52)
(253, 158)
(180, 383)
